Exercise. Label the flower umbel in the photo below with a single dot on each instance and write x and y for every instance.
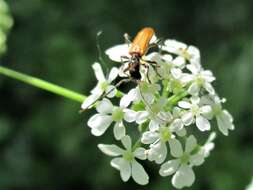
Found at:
(173, 96)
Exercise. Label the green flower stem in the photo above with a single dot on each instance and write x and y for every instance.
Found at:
(175, 98)
(42, 84)
(137, 144)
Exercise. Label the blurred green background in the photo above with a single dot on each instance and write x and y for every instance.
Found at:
(44, 142)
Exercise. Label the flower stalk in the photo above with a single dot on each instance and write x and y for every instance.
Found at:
(39, 83)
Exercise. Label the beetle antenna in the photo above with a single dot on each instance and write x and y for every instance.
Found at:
(127, 39)
(100, 57)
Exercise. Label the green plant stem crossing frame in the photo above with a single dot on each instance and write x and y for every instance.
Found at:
(56, 89)
(39, 83)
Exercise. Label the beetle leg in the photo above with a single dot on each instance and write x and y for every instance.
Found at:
(153, 63)
(158, 42)
(124, 59)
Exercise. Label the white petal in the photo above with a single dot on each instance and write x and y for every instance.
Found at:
(167, 58)
(208, 148)
(127, 142)
(173, 46)
(154, 56)
(110, 91)
(140, 153)
(119, 130)
(113, 74)
(125, 170)
(148, 97)
(209, 88)
(125, 101)
(176, 73)
(149, 137)
(116, 163)
(162, 154)
(182, 132)
(141, 117)
(158, 152)
(105, 106)
(202, 123)
(169, 167)
(208, 76)
(89, 101)
(110, 150)
(176, 148)
(139, 174)
(185, 78)
(193, 51)
(179, 61)
(123, 166)
(197, 159)
(99, 123)
(228, 116)
(225, 122)
(184, 104)
(195, 100)
(163, 116)
(130, 115)
(153, 125)
(211, 138)
(128, 98)
(177, 125)
(117, 51)
(153, 39)
(193, 68)
(187, 118)
(98, 72)
(97, 90)
(205, 109)
(193, 89)
(184, 177)
(191, 143)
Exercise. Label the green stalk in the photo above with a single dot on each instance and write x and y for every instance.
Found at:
(175, 98)
(42, 84)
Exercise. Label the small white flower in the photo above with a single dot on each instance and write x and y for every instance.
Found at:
(127, 164)
(148, 91)
(155, 113)
(166, 66)
(144, 92)
(132, 96)
(103, 85)
(223, 117)
(177, 124)
(107, 113)
(200, 78)
(209, 145)
(189, 53)
(157, 140)
(181, 167)
(197, 112)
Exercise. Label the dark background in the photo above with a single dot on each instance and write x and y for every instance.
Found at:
(45, 143)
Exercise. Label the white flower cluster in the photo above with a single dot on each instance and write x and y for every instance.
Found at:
(5, 25)
(171, 99)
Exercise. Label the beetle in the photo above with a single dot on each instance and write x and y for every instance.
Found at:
(138, 48)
